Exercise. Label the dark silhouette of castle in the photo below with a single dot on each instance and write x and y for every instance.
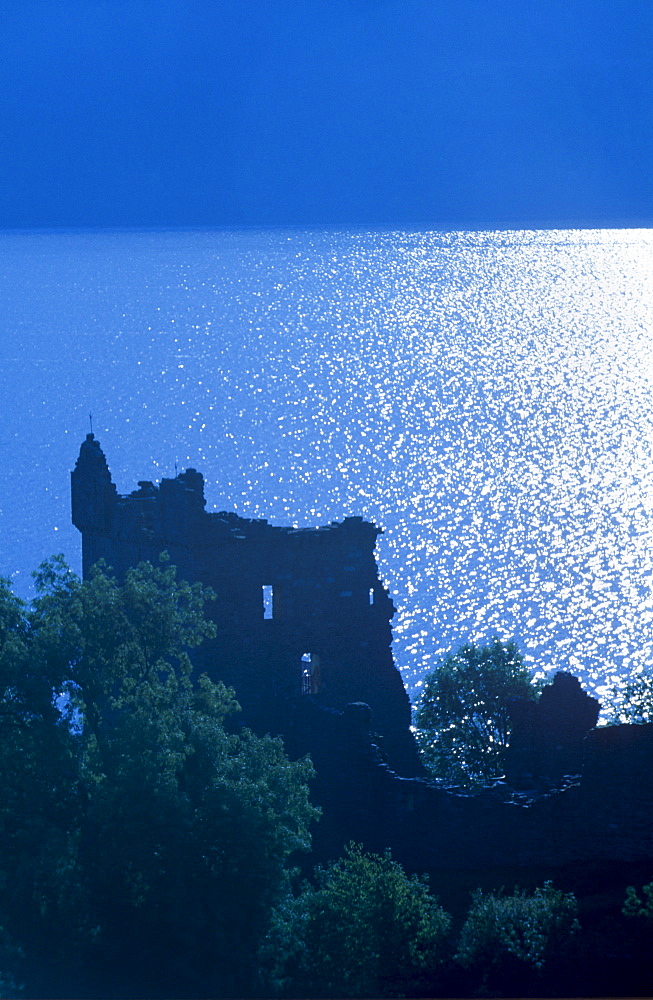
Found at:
(304, 637)
(301, 613)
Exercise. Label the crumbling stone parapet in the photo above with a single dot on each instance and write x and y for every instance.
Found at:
(546, 742)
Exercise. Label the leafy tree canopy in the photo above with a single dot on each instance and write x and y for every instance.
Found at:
(364, 930)
(143, 844)
(632, 700)
(636, 906)
(505, 935)
(463, 719)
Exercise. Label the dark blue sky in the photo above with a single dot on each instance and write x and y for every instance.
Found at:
(438, 113)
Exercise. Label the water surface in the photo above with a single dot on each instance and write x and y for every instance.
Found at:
(484, 397)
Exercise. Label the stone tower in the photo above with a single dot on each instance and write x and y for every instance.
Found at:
(301, 613)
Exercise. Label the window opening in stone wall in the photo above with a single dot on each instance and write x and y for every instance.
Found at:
(311, 680)
(268, 599)
(371, 595)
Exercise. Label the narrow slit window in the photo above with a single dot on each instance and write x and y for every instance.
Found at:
(267, 601)
(311, 680)
(371, 595)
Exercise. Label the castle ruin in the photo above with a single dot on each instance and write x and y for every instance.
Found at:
(304, 637)
(301, 613)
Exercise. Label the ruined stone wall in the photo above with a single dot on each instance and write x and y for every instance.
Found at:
(327, 632)
(602, 816)
(576, 795)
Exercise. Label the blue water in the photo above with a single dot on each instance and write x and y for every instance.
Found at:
(484, 397)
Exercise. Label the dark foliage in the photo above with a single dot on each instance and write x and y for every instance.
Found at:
(463, 719)
(365, 929)
(143, 845)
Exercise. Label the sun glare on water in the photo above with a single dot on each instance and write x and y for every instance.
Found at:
(484, 397)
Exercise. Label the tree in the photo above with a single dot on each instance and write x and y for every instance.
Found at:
(463, 719)
(635, 906)
(37, 803)
(632, 700)
(507, 939)
(364, 930)
(155, 841)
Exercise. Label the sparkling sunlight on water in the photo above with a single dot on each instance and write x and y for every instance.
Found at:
(484, 397)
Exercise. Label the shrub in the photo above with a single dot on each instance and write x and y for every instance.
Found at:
(365, 930)
(508, 935)
(636, 907)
